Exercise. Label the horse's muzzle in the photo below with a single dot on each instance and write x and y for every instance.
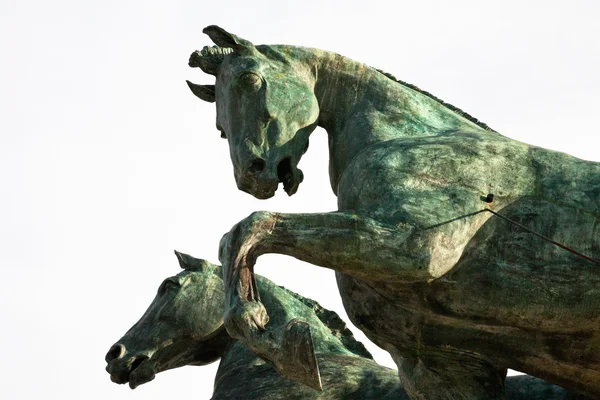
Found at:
(262, 182)
(133, 369)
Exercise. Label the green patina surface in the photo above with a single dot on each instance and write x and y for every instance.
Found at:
(184, 326)
(455, 295)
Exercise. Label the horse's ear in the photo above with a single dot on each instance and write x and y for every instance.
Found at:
(209, 59)
(225, 39)
(188, 262)
(205, 92)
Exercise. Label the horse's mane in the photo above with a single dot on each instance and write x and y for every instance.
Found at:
(442, 102)
(335, 324)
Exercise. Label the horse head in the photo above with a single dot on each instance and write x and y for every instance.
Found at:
(182, 326)
(266, 109)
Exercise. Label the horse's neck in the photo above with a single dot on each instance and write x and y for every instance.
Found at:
(360, 106)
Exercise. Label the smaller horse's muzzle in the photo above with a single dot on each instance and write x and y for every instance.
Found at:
(133, 369)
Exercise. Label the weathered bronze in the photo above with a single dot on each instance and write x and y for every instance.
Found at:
(184, 326)
(455, 295)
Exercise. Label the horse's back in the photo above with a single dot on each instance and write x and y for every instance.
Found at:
(343, 377)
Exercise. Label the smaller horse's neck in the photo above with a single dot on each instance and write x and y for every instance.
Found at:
(283, 306)
(360, 106)
(329, 332)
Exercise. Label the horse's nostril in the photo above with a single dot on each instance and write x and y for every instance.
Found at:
(256, 166)
(284, 170)
(115, 352)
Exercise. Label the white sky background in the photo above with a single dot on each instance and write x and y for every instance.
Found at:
(108, 162)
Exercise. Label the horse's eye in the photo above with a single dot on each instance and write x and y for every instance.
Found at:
(252, 80)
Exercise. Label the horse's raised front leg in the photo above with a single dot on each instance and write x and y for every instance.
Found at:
(354, 245)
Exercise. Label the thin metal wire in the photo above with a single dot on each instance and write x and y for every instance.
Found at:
(562, 246)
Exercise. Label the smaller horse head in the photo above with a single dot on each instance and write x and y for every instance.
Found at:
(182, 326)
(266, 108)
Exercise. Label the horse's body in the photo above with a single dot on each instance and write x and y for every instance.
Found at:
(455, 295)
(175, 332)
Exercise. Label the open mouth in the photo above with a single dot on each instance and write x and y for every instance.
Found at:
(290, 176)
(139, 372)
(255, 183)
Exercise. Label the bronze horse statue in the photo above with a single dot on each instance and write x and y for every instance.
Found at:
(455, 293)
(175, 331)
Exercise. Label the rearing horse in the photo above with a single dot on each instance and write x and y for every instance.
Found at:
(453, 293)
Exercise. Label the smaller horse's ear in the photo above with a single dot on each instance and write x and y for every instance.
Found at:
(205, 92)
(225, 39)
(188, 262)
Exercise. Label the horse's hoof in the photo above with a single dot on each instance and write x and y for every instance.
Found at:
(246, 318)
